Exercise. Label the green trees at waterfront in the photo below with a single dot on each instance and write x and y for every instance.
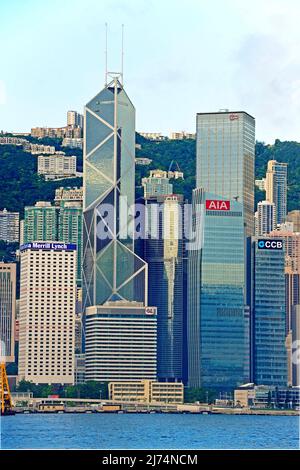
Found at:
(90, 389)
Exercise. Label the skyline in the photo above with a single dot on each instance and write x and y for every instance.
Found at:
(263, 84)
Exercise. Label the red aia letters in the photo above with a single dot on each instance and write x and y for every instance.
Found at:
(213, 205)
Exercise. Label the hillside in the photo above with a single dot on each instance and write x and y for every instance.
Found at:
(20, 185)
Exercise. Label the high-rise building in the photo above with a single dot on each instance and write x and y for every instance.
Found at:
(294, 217)
(68, 194)
(47, 312)
(276, 188)
(164, 253)
(225, 158)
(74, 119)
(295, 345)
(70, 229)
(266, 217)
(218, 322)
(111, 269)
(157, 184)
(268, 312)
(121, 342)
(9, 226)
(7, 311)
(40, 222)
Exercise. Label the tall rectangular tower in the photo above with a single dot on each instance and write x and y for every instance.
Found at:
(111, 269)
(225, 158)
(7, 310)
(276, 188)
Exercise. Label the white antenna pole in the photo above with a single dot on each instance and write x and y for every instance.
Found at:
(122, 58)
(105, 54)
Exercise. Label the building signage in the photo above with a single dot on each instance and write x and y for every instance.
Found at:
(233, 117)
(48, 246)
(215, 205)
(270, 244)
(150, 310)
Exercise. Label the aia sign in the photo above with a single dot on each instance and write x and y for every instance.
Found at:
(233, 117)
(215, 205)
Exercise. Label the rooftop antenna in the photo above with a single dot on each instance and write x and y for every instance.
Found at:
(122, 56)
(105, 54)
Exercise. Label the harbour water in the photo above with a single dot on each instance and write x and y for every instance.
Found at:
(148, 431)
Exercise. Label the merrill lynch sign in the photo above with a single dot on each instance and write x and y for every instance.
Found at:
(48, 246)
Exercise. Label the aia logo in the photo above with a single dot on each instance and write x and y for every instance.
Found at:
(233, 117)
(215, 205)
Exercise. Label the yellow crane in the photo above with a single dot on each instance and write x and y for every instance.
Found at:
(6, 403)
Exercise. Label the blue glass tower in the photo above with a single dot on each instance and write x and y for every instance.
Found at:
(268, 312)
(218, 323)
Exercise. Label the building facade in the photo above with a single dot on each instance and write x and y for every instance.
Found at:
(157, 184)
(266, 213)
(47, 313)
(56, 166)
(121, 342)
(294, 217)
(9, 226)
(7, 311)
(147, 392)
(164, 254)
(268, 312)
(40, 222)
(276, 188)
(225, 158)
(218, 322)
(74, 119)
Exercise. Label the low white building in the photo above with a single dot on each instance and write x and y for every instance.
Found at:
(56, 166)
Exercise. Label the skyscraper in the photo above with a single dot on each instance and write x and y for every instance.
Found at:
(9, 226)
(294, 217)
(47, 312)
(111, 270)
(74, 119)
(218, 323)
(40, 222)
(266, 217)
(225, 158)
(7, 310)
(276, 188)
(268, 312)
(164, 254)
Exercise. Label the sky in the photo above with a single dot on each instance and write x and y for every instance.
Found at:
(180, 58)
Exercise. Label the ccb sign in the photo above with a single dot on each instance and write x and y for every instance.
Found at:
(270, 244)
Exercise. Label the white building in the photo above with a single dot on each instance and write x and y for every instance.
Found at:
(266, 217)
(121, 342)
(47, 312)
(9, 226)
(37, 148)
(276, 188)
(56, 166)
(74, 119)
(73, 142)
(153, 135)
(182, 135)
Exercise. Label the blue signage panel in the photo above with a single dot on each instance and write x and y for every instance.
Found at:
(57, 246)
(270, 244)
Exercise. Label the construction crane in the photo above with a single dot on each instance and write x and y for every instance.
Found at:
(6, 403)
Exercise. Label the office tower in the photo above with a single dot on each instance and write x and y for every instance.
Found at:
(157, 184)
(111, 270)
(121, 342)
(9, 226)
(225, 158)
(276, 188)
(294, 217)
(295, 345)
(261, 184)
(266, 217)
(74, 119)
(164, 253)
(218, 322)
(47, 312)
(7, 311)
(57, 166)
(292, 270)
(70, 229)
(40, 222)
(268, 312)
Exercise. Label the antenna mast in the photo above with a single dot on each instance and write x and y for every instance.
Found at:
(105, 54)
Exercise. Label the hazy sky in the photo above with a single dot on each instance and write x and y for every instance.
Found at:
(181, 57)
